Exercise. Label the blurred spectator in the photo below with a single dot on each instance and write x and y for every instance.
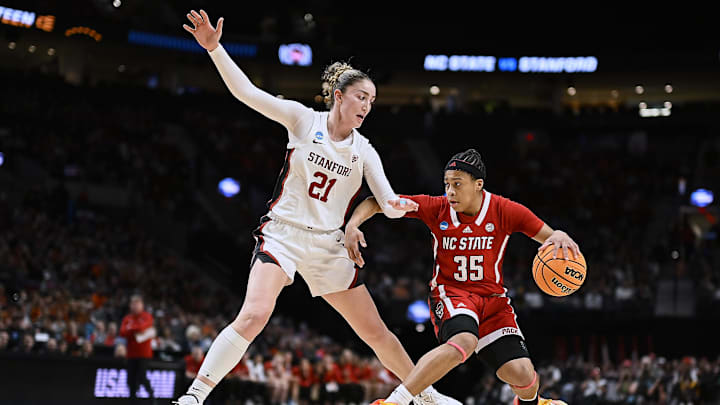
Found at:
(306, 388)
(28, 344)
(256, 369)
(238, 385)
(99, 334)
(63, 347)
(331, 377)
(279, 378)
(111, 336)
(4, 340)
(350, 388)
(166, 342)
(120, 352)
(87, 349)
(137, 328)
(193, 362)
(51, 347)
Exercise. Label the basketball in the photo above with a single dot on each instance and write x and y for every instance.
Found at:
(556, 276)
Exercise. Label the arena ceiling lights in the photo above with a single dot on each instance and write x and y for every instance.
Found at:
(524, 64)
(187, 45)
(84, 31)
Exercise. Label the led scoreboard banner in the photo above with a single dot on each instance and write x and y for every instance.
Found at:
(525, 64)
(26, 19)
(79, 381)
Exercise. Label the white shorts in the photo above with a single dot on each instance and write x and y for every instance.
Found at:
(320, 257)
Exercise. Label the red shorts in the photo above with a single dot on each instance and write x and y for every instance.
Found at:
(494, 316)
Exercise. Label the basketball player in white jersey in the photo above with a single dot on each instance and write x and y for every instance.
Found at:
(326, 161)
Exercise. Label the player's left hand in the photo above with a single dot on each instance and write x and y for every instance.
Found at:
(560, 239)
(404, 204)
(353, 236)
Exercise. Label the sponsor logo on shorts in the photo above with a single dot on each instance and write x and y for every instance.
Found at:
(439, 310)
(489, 227)
(509, 331)
(461, 305)
(443, 225)
(522, 344)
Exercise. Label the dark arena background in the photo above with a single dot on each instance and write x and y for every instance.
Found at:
(127, 167)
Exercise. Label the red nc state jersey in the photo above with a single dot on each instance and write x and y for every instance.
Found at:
(468, 251)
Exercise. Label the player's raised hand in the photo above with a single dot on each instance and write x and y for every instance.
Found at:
(561, 240)
(203, 31)
(404, 204)
(353, 236)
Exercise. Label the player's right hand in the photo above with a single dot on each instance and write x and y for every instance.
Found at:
(204, 33)
(353, 236)
(404, 204)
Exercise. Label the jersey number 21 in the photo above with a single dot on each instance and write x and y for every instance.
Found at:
(316, 188)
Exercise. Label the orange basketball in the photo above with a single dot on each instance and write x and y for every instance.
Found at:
(558, 277)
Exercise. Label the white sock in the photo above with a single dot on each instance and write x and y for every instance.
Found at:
(400, 396)
(224, 354)
(429, 390)
(200, 390)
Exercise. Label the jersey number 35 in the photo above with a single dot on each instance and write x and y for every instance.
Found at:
(476, 269)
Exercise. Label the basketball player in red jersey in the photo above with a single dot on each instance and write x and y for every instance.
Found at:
(470, 229)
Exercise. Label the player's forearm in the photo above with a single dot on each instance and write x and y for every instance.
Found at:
(235, 79)
(543, 234)
(364, 211)
(286, 112)
(379, 184)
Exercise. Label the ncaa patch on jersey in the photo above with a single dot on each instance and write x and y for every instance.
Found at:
(443, 225)
(319, 136)
(489, 227)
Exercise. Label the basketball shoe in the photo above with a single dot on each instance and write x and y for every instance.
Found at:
(187, 399)
(427, 397)
(432, 397)
(543, 401)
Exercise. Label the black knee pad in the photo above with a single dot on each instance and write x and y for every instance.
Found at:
(457, 324)
(504, 349)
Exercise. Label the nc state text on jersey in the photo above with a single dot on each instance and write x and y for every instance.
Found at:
(468, 242)
(329, 164)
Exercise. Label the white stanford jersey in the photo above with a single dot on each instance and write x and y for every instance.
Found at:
(321, 178)
(469, 251)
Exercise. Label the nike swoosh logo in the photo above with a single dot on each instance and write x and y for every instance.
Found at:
(314, 141)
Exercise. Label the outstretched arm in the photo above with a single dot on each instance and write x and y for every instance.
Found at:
(364, 211)
(390, 204)
(291, 114)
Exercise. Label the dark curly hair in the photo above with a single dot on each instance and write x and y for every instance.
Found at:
(473, 158)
